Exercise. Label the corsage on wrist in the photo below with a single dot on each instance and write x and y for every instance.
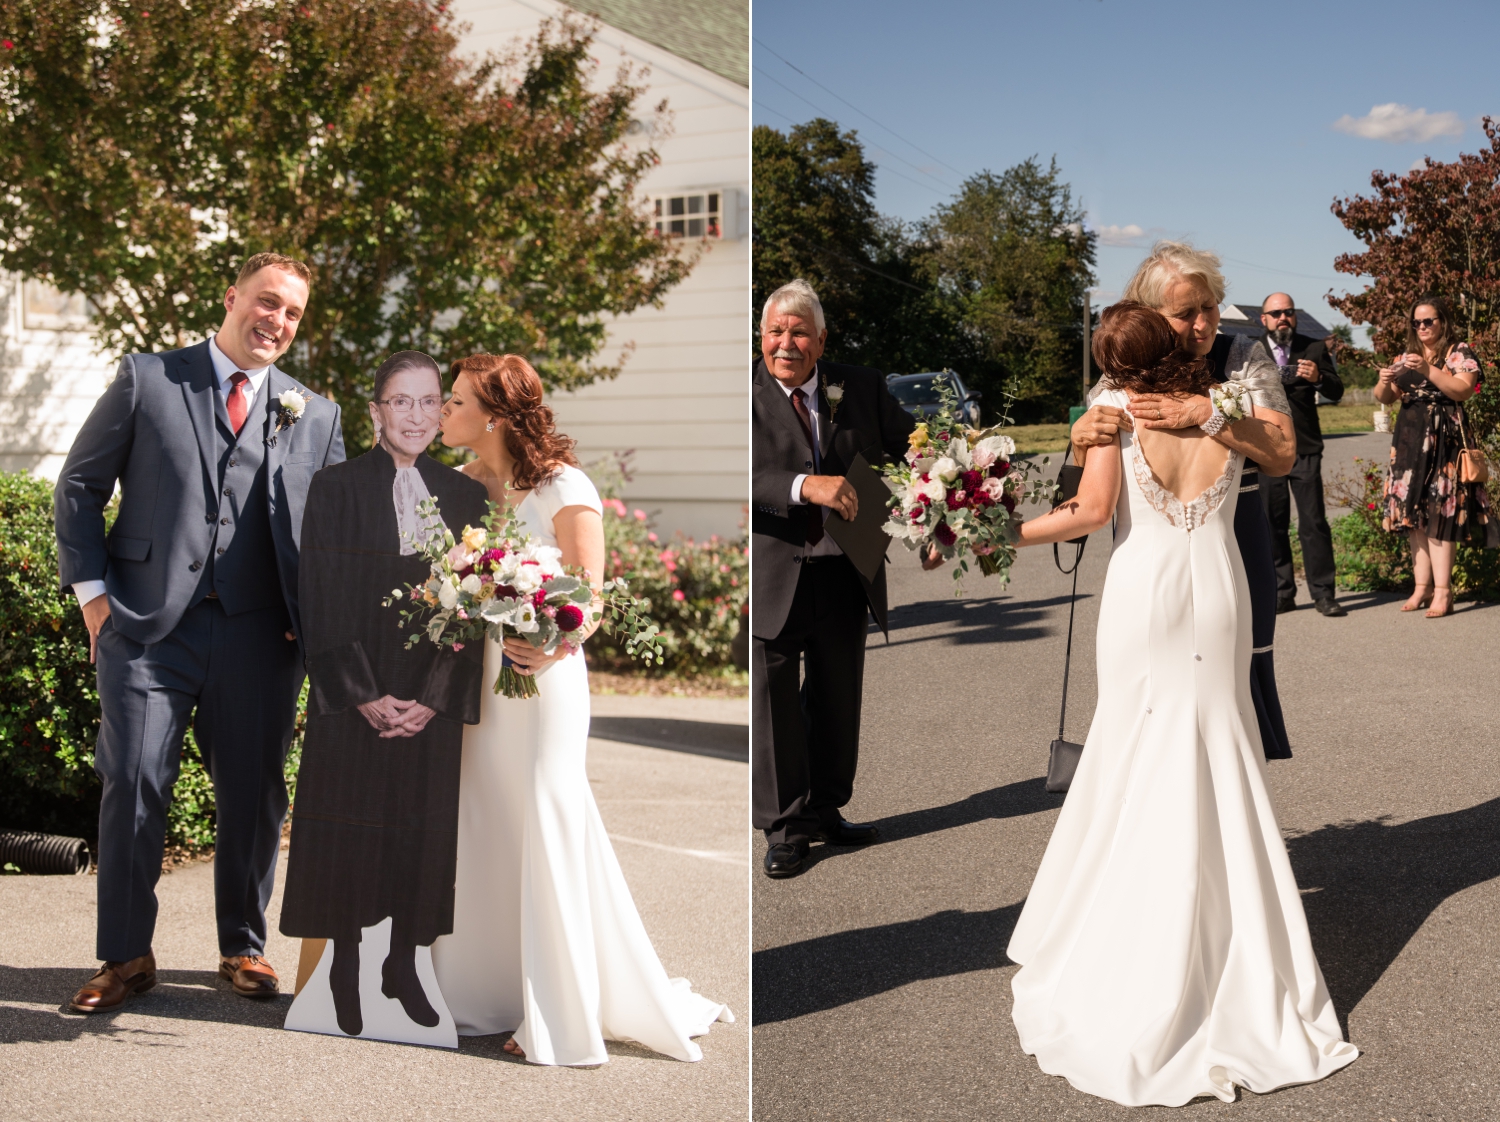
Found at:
(1229, 405)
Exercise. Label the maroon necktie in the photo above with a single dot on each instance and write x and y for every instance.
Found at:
(239, 402)
(815, 522)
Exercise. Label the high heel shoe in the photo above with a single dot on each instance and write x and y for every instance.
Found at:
(1419, 599)
(1447, 608)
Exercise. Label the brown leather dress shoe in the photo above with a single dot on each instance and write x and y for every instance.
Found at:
(250, 975)
(114, 982)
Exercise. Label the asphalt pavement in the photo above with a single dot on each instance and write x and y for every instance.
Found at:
(190, 1049)
(881, 984)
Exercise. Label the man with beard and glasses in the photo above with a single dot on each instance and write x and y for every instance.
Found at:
(1307, 370)
(810, 604)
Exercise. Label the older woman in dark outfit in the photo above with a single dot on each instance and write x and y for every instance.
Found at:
(1424, 495)
(1185, 285)
(375, 832)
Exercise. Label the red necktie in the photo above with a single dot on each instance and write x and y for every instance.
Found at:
(799, 403)
(239, 402)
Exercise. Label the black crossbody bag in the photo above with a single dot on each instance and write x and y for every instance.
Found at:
(1063, 755)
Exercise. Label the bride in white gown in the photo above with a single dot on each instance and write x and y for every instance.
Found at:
(1163, 947)
(546, 940)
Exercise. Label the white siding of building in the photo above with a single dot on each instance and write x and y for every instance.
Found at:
(681, 401)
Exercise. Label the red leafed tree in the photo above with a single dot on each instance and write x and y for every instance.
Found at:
(1434, 230)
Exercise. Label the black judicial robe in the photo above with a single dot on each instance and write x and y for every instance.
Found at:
(375, 822)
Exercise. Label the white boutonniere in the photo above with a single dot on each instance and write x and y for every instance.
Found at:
(290, 405)
(1230, 400)
(834, 392)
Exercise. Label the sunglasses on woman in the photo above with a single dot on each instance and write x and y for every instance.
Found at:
(1425, 322)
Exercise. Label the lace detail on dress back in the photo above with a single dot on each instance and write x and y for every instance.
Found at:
(1187, 516)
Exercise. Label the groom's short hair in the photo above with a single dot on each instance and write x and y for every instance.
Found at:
(794, 298)
(273, 261)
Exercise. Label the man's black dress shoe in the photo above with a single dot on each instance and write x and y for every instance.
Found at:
(1285, 604)
(784, 859)
(1330, 607)
(847, 833)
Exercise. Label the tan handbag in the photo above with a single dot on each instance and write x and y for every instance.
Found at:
(1473, 467)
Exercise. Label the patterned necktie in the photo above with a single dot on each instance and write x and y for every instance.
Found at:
(804, 415)
(239, 402)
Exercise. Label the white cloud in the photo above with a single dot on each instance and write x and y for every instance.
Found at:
(1400, 123)
(1128, 235)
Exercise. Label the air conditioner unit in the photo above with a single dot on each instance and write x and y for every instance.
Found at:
(698, 213)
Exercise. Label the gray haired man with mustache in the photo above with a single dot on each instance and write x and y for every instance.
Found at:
(811, 606)
(191, 605)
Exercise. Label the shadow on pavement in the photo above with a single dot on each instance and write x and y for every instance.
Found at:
(1369, 886)
(188, 995)
(1029, 796)
(833, 970)
(966, 621)
(702, 738)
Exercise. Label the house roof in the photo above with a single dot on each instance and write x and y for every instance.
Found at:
(713, 33)
(1244, 319)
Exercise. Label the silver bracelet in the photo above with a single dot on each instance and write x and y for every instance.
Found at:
(1216, 423)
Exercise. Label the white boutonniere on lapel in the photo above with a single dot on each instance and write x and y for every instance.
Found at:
(290, 406)
(834, 392)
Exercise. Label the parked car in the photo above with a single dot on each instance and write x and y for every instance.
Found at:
(918, 393)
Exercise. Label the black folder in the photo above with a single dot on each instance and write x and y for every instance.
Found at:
(864, 541)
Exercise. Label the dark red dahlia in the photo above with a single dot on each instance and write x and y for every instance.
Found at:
(569, 617)
(999, 468)
(944, 533)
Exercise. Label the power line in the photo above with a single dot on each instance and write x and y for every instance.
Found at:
(826, 113)
(857, 109)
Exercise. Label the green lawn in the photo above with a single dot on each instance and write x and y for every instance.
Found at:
(1035, 439)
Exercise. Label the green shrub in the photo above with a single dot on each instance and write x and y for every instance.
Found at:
(49, 708)
(695, 591)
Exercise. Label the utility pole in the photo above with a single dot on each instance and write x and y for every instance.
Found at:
(1088, 316)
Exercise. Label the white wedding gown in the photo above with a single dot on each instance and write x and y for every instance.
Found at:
(1163, 947)
(546, 938)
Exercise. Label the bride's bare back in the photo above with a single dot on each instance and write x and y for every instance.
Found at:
(1186, 462)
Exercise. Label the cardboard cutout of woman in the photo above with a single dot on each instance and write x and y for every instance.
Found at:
(375, 826)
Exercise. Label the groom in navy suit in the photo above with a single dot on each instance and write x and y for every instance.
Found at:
(191, 606)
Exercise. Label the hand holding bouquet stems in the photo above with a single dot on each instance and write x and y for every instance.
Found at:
(492, 582)
(956, 491)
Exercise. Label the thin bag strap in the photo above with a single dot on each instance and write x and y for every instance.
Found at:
(1062, 717)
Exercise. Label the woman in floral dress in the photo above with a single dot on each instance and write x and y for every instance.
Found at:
(1424, 495)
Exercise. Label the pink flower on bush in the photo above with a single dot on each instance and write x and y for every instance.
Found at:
(640, 515)
(679, 595)
(569, 617)
(615, 505)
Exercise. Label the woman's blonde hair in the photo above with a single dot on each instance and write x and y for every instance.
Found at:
(1169, 262)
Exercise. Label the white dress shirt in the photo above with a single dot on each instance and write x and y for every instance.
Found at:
(827, 547)
(224, 369)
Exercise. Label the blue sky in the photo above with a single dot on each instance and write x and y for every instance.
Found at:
(1232, 125)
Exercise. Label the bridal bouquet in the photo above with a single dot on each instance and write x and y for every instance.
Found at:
(493, 582)
(957, 490)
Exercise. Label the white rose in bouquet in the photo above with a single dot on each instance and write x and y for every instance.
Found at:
(934, 490)
(946, 469)
(991, 450)
(448, 594)
(471, 584)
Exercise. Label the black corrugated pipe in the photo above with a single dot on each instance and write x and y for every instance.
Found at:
(45, 854)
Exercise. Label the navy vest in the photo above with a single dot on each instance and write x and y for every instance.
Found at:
(241, 566)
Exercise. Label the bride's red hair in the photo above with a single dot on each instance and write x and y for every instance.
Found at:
(511, 391)
(1136, 349)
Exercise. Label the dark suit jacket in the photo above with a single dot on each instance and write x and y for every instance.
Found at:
(1303, 395)
(869, 420)
(153, 432)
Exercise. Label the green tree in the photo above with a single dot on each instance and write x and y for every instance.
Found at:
(1012, 251)
(442, 205)
(815, 218)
